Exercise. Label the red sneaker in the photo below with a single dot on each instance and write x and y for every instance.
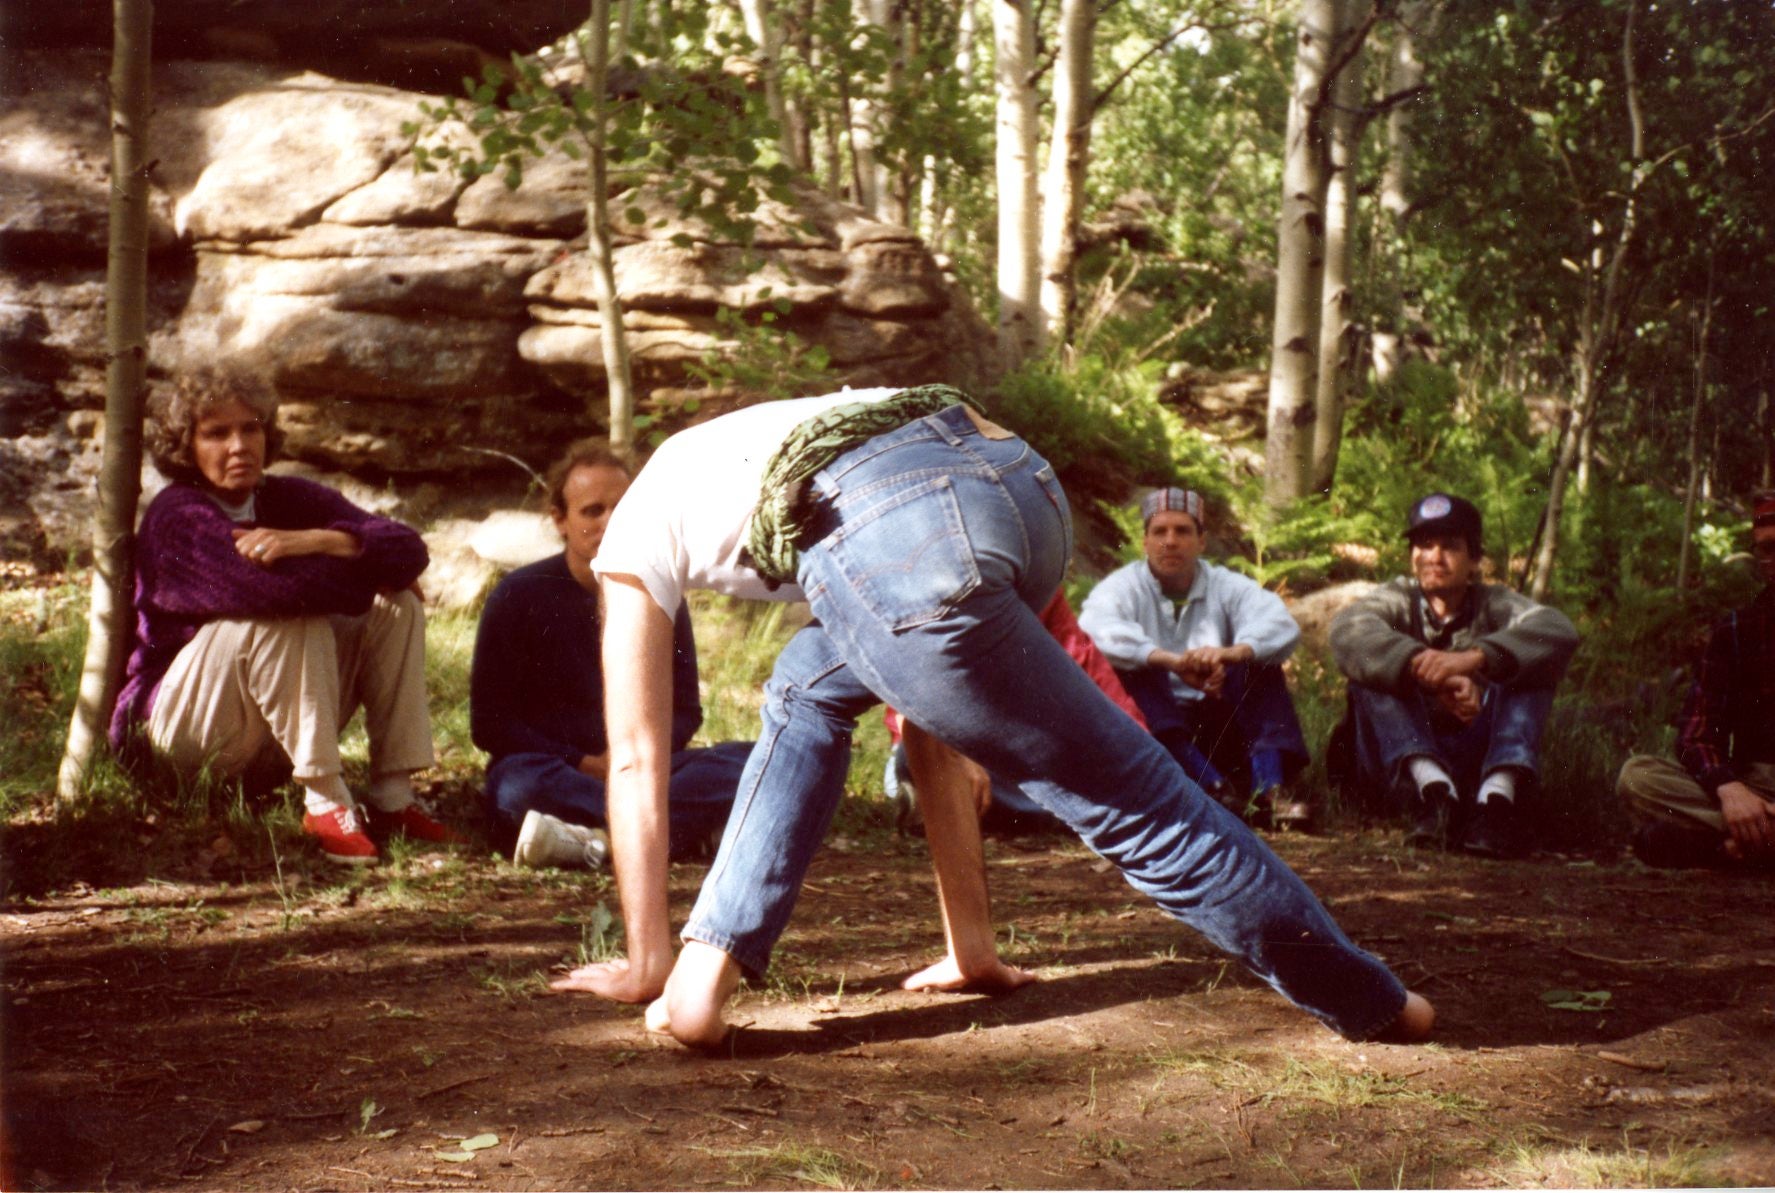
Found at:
(341, 836)
(412, 821)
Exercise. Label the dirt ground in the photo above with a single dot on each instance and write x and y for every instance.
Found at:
(289, 1029)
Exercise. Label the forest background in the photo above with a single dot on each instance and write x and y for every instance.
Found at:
(1515, 250)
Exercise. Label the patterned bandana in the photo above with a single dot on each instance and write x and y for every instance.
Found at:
(1186, 501)
(783, 509)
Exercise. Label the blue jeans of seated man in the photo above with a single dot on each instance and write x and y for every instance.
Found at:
(1391, 728)
(698, 796)
(935, 550)
(1228, 733)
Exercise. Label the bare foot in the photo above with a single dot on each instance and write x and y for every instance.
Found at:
(1414, 1022)
(946, 975)
(701, 983)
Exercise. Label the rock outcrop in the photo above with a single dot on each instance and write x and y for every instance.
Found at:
(421, 330)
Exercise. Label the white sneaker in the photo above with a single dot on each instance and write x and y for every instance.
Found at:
(545, 841)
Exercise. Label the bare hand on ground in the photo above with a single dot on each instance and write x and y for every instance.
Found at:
(608, 979)
(946, 975)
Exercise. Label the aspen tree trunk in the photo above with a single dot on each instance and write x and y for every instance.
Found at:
(612, 335)
(1069, 155)
(1013, 25)
(767, 35)
(1766, 476)
(865, 120)
(1703, 326)
(1339, 337)
(126, 370)
(1405, 73)
(1604, 314)
(1300, 262)
(624, 30)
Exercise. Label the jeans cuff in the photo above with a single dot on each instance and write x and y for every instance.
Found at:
(1374, 1030)
(753, 967)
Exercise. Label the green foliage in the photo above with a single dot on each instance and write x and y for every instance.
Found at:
(765, 357)
(685, 109)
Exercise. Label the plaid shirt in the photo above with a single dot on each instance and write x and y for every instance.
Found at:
(1728, 721)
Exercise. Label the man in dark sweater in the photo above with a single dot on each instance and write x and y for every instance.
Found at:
(1716, 804)
(1451, 680)
(536, 696)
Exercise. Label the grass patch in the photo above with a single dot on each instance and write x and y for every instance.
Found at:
(1673, 1164)
(770, 1167)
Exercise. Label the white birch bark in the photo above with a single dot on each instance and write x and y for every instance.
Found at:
(1300, 262)
(1069, 155)
(126, 346)
(612, 335)
(1339, 337)
(767, 36)
(1013, 24)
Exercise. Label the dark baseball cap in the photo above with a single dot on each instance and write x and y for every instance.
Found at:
(1444, 513)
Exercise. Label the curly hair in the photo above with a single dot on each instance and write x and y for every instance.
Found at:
(586, 453)
(174, 412)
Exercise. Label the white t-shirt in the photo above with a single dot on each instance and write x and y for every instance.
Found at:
(685, 520)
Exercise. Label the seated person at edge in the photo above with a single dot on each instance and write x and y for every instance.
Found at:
(1450, 683)
(1715, 805)
(1200, 649)
(926, 540)
(268, 608)
(536, 694)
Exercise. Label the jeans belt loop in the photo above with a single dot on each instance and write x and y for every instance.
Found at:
(939, 422)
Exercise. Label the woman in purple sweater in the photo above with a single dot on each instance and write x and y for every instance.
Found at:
(268, 608)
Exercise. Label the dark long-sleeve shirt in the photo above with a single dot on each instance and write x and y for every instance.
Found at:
(1523, 642)
(538, 680)
(188, 573)
(1728, 720)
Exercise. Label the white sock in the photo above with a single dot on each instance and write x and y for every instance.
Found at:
(390, 792)
(326, 793)
(1426, 772)
(1500, 784)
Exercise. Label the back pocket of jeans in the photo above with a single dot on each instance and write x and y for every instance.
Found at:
(907, 556)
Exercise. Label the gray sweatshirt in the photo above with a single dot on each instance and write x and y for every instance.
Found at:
(1523, 642)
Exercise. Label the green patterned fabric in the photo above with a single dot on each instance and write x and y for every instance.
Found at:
(783, 508)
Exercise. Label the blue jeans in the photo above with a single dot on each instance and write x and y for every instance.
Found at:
(698, 797)
(1250, 729)
(936, 549)
(1391, 728)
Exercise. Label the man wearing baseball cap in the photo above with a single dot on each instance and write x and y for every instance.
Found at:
(1200, 649)
(1715, 806)
(1451, 680)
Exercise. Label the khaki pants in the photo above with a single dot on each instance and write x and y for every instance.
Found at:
(1658, 789)
(241, 689)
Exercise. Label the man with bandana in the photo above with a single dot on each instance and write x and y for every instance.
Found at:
(1200, 649)
(1451, 680)
(1715, 805)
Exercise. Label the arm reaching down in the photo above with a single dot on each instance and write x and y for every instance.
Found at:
(638, 681)
(952, 792)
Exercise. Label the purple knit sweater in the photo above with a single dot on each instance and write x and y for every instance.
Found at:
(188, 573)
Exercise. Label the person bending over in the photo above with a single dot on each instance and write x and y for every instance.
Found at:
(268, 608)
(1450, 683)
(1200, 649)
(1715, 805)
(925, 540)
(536, 694)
